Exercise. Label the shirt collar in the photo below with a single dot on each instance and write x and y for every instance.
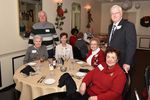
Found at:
(116, 24)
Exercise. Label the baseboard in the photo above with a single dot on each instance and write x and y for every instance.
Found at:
(8, 87)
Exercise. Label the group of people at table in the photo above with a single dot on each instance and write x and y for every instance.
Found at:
(107, 79)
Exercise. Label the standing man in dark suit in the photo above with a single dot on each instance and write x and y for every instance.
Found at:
(122, 36)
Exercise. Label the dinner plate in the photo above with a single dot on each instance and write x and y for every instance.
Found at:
(32, 63)
(49, 81)
(80, 74)
(80, 62)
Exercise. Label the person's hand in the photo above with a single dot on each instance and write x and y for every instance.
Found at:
(148, 98)
(92, 98)
(126, 67)
(82, 88)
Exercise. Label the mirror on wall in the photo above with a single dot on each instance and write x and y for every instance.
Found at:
(28, 15)
(76, 16)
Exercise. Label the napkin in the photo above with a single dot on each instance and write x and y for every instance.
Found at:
(27, 70)
(84, 70)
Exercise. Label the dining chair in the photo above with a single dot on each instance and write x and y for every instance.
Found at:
(147, 77)
(136, 95)
(127, 87)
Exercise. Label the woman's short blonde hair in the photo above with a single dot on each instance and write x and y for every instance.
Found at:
(95, 39)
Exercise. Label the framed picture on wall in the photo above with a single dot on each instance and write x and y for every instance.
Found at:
(144, 42)
(28, 15)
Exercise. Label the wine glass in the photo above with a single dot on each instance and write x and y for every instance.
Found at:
(59, 62)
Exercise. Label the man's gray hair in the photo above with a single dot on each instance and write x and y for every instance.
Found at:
(42, 12)
(116, 7)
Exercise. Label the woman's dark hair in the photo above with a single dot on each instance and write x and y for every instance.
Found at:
(63, 34)
(74, 31)
(80, 35)
(111, 50)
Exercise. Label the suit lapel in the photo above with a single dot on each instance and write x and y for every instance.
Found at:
(116, 30)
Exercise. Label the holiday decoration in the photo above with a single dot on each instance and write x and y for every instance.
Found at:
(90, 19)
(60, 16)
(145, 21)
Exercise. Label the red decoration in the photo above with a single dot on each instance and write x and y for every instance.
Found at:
(60, 16)
(60, 11)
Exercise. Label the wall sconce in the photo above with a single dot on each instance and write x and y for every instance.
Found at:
(58, 1)
(87, 7)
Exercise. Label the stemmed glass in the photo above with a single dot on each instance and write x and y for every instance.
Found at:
(59, 62)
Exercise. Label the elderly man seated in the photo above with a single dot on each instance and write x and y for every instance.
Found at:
(37, 51)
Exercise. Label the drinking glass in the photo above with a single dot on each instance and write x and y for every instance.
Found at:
(59, 62)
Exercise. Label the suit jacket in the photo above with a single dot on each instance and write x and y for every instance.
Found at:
(97, 58)
(124, 39)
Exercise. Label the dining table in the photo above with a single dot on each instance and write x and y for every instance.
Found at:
(45, 79)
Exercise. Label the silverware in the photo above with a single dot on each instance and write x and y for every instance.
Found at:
(77, 77)
(42, 79)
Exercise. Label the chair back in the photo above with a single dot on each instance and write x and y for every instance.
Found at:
(126, 87)
(147, 77)
(136, 95)
(77, 53)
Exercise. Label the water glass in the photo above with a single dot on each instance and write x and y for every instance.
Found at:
(59, 62)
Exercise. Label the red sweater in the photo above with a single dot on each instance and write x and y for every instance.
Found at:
(97, 58)
(72, 40)
(107, 84)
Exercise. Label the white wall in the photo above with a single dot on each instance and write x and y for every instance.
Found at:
(10, 41)
(50, 7)
(11, 44)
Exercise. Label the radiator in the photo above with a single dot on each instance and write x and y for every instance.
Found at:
(16, 62)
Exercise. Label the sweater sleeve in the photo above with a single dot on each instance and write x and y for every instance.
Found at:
(45, 53)
(26, 58)
(116, 90)
(88, 78)
(71, 52)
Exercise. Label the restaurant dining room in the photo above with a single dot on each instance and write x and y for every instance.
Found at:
(75, 50)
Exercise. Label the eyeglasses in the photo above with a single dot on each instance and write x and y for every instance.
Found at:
(115, 13)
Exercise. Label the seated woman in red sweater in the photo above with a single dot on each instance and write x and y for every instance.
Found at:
(95, 55)
(73, 37)
(106, 82)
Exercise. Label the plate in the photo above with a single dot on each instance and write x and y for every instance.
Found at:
(80, 62)
(80, 74)
(49, 81)
(32, 63)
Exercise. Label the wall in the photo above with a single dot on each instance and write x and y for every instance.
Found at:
(50, 7)
(12, 45)
(142, 11)
(10, 41)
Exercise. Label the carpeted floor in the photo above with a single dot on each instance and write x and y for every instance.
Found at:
(141, 61)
